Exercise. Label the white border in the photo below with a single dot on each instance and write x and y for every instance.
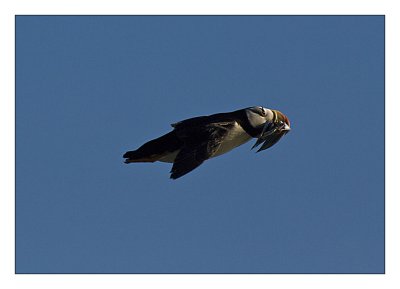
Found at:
(8, 10)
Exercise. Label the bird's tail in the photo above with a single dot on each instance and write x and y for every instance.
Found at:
(154, 150)
(138, 157)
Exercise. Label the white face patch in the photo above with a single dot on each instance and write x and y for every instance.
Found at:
(256, 119)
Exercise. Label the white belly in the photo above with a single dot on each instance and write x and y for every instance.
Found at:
(170, 158)
(236, 137)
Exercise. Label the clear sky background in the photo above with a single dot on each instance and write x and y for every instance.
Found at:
(90, 88)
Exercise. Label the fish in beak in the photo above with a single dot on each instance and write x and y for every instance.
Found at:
(271, 134)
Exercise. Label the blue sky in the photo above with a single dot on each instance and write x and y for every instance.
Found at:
(90, 88)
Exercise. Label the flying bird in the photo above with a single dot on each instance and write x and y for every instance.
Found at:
(195, 140)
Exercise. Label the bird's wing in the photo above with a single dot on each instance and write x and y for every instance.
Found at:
(200, 143)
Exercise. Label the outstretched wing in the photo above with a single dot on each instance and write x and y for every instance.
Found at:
(200, 143)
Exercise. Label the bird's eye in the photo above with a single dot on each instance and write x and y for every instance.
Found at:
(263, 113)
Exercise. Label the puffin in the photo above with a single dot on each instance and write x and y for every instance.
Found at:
(195, 140)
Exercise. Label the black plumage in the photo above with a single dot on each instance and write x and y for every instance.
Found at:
(194, 140)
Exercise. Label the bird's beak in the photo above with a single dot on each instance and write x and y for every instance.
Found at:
(285, 128)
